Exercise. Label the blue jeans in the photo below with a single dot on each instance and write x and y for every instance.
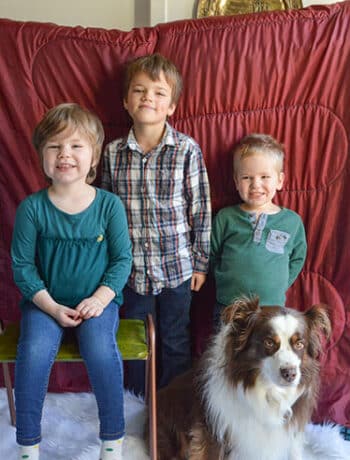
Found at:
(171, 311)
(39, 342)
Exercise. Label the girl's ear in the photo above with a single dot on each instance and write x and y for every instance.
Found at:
(280, 181)
(125, 104)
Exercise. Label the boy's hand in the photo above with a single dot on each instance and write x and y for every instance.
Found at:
(197, 281)
(91, 307)
(67, 317)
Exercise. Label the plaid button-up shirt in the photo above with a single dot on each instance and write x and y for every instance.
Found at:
(167, 200)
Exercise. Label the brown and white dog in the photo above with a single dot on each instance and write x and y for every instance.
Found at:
(252, 392)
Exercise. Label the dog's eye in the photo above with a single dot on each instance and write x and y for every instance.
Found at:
(299, 345)
(269, 343)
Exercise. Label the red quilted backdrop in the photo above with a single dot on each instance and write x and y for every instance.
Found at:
(282, 73)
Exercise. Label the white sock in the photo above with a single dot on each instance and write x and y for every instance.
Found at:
(112, 450)
(28, 452)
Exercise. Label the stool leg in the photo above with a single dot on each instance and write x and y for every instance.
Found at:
(151, 387)
(8, 385)
(147, 378)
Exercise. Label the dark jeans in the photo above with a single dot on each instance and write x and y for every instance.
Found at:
(171, 312)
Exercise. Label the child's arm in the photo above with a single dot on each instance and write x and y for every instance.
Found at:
(93, 306)
(106, 177)
(65, 316)
(25, 271)
(216, 241)
(199, 214)
(119, 267)
(23, 251)
(197, 281)
(298, 254)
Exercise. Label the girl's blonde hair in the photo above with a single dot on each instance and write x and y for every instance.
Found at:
(259, 143)
(152, 65)
(71, 117)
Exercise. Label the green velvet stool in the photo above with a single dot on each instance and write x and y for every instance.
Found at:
(136, 341)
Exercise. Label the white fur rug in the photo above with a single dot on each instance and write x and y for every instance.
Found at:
(70, 431)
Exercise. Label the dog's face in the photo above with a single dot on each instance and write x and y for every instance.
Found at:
(279, 341)
(273, 342)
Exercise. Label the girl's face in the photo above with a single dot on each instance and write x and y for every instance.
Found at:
(257, 179)
(67, 157)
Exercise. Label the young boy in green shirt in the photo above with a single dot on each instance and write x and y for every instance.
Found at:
(257, 247)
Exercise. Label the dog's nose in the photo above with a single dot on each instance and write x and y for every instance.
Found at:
(288, 373)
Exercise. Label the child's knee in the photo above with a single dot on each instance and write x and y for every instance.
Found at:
(36, 350)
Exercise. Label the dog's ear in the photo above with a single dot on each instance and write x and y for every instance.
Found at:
(240, 310)
(318, 323)
(241, 316)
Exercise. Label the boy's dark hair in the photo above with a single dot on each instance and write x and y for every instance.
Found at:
(152, 65)
(259, 143)
(72, 117)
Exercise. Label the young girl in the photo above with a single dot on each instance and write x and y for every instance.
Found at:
(71, 258)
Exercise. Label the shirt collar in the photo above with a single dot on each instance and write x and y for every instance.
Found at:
(167, 139)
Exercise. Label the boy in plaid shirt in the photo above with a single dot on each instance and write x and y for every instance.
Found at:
(160, 175)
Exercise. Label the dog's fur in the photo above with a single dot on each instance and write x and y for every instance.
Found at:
(252, 392)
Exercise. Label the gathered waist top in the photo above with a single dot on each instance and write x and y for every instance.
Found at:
(70, 255)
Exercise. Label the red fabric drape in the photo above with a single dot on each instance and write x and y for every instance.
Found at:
(282, 73)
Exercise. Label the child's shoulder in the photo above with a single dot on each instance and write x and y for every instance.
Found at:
(107, 198)
(288, 219)
(34, 198)
(181, 138)
(229, 212)
(286, 212)
(34, 204)
(106, 195)
(117, 144)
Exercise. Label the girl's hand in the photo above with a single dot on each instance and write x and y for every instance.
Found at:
(90, 307)
(67, 317)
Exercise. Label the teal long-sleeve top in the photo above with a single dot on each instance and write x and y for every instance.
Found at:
(71, 255)
(262, 257)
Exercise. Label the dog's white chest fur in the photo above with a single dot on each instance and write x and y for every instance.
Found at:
(254, 425)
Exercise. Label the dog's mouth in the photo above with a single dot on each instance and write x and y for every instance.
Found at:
(282, 383)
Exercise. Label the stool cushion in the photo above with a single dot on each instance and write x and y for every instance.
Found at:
(131, 338)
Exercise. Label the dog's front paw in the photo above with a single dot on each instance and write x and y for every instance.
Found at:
(287, 415)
